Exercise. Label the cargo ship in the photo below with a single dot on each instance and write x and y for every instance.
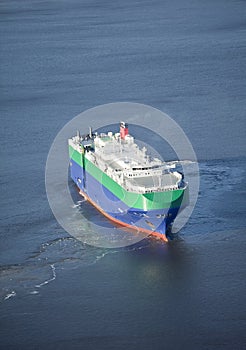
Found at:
(125, 183)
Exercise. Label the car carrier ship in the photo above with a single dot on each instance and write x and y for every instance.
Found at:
(125, 183)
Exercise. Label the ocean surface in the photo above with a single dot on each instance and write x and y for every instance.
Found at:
(186, 58)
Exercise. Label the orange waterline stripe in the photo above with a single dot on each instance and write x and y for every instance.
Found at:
(161, 236)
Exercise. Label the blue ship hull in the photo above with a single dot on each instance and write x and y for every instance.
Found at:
(151, 221)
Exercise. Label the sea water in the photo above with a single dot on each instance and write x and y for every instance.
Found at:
(59, 58)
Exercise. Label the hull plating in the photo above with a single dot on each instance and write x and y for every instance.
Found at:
(153, 221)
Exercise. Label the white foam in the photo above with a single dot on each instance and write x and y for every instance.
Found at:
(10, 295)
(49, 280)
(34, 292)
(78, 203)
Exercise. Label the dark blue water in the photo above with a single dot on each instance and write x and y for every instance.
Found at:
(188, 59)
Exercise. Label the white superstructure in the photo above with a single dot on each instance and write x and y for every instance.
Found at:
(118, 156)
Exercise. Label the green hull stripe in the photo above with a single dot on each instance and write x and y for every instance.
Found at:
(147, 201)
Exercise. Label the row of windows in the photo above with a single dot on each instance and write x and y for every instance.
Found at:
(138, 174)
(147, 168)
